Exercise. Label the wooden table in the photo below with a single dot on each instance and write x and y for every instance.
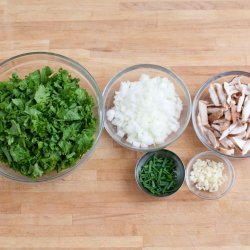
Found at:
(99, 205)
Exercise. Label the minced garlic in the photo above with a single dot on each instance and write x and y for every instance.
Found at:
(208, 175)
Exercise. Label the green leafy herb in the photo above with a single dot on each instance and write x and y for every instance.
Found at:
(46, 122)
(158, 175)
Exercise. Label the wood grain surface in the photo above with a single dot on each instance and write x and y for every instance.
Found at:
(99, 205)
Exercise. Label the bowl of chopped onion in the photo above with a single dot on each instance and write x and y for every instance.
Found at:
(221, 114)
(209, 176)
(146, 107)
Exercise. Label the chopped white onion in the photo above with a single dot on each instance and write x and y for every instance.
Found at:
(146, 111)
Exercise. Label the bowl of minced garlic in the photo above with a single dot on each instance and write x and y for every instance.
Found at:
(209, 176)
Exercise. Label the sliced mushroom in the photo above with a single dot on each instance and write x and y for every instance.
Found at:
(234, 113)
(246, 147)
(230, 91)
(239, 129)
(220, 121)
(211, 110)
(241, 135)
(221, 94)
(225, 125)
(243, 87)
(203, 113)
(238, 142)
(217, 134)
(227, 151)
(216, 115)
(248, 132)
(228, 130)
(246, 111)
(241, 101)
(213, 96)
(221, 126)
(225, 117)
(235, 80)
(224, 143)
(203, 129)
(228, 115)
(216, 127)
(227, 88)
(229, 143)
(212, 139)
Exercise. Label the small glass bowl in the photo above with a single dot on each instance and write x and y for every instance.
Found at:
(224, 188)
(163, 153)
(132, 74)
(27, 63)
(203, 94)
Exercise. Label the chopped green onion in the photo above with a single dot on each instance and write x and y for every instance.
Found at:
(158, 175)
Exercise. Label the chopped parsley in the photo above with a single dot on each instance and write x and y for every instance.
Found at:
(46, 122)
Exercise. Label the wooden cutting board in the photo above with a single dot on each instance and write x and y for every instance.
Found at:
(99, 205)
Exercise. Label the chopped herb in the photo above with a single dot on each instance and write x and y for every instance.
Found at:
(158, 175)
(46, 122)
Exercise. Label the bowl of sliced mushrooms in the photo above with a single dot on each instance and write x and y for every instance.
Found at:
(221, 114)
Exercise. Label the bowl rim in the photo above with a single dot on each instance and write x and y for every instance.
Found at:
(149, 155)
(167, 71)
(228, 164)
(195, 104)
(82, 70)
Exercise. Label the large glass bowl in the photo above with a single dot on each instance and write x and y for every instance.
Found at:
(132, 74)
(26, 63)
(203, 94)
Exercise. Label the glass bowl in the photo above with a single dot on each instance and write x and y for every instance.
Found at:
(224, 188)
(28, 62)
(163, 153)
(203, 94)
(132, 74)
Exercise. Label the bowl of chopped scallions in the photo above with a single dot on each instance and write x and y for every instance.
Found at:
(160, 173)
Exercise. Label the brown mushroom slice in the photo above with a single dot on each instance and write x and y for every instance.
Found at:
(220, 121)
(217, 134)
(224, 143)
(241, 135)
(203, 129)
(225, 125)
(228, 115)
(216, 127)
(211, 110)
(234, 113)
(238, 142)
(230, 91)
(246, 111)
(216, 115)
(246, 147)
(248, 132)
(213, 95)
(221, 94)
(235, 80)
(241, 100)
(243, 87)
(229, 142)
(227, 88)
(203, 113)
(238, 129)
(228, 131)
(227, 151)
(212, 138)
